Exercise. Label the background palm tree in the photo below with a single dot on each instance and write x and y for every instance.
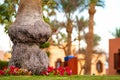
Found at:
(90, 38)
(69, 7)
(82, 24)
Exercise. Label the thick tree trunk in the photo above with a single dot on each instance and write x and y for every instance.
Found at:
(28, 32)
(88, 56)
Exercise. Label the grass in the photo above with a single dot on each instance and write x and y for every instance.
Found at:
(59, 77)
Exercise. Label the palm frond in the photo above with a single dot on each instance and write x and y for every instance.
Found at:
(116, 34)
(100, 3)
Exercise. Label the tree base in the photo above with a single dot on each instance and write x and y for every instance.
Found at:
(29, 56)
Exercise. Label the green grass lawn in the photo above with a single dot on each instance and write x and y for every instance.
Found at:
(59, 77)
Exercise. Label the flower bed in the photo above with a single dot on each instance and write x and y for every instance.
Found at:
(61, 71)
(58, 71)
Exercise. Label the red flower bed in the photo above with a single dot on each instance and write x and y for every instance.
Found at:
(61, 71)
(57, 71)
(14, 71)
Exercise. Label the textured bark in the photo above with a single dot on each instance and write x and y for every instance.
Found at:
(90, 40)
(28, 32)
(69, 32)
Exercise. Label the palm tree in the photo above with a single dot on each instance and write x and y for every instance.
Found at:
(90, 38)
(81, 26)
(68, 7)
(28, 32)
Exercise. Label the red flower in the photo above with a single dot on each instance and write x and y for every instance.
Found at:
(2, 72)
(61, 71)
(5, 68)
(50, 69)
(68, 71)
(44, 73)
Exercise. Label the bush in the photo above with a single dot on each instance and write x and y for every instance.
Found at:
(3, 64)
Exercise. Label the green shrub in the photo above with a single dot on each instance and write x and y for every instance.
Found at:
(3, 64)
(48, 53)
(45, 45)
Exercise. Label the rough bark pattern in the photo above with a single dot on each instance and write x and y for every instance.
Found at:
(29, 56)
(28, 32)
(90, 38)
(38, 32)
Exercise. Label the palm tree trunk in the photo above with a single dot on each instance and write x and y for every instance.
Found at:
(79, 39)
(90, 37)
(28, 32)
(69, 44)
(69, 31)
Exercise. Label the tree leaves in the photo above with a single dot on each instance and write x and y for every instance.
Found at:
(116, 34)
(8, 12)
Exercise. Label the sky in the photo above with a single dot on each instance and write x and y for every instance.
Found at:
(107, 19)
